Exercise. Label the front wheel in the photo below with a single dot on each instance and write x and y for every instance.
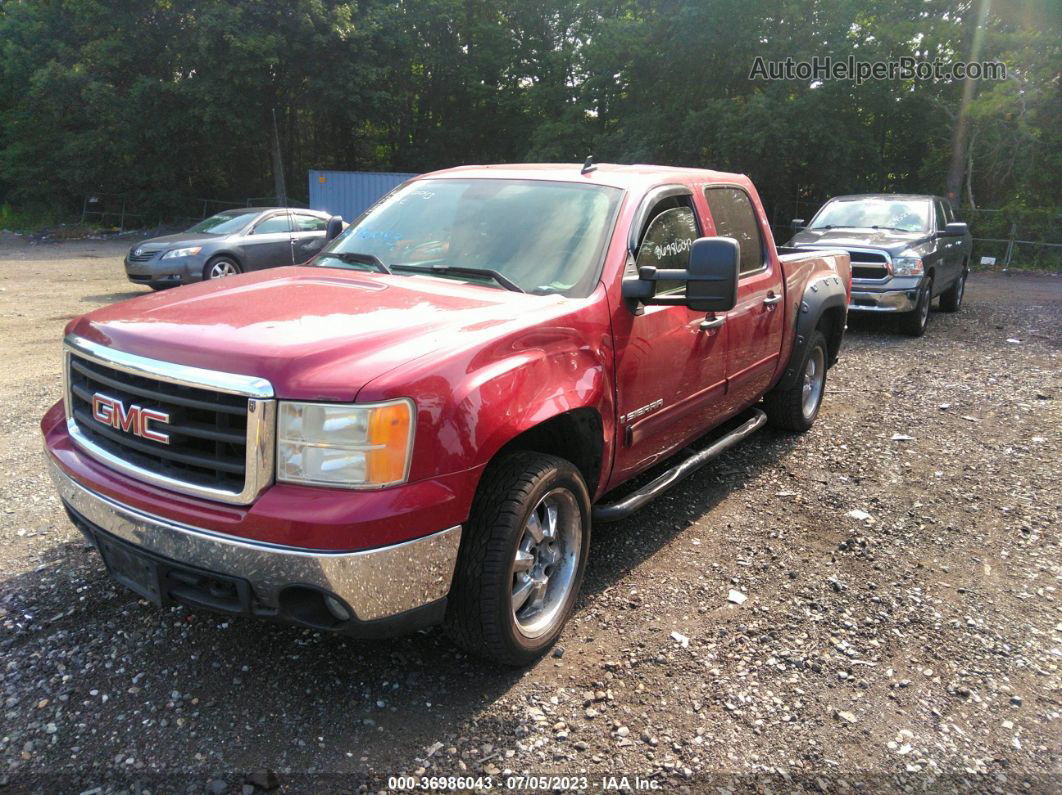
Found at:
(914, 324)
(220, 267)
(521, 560)
(796, 408)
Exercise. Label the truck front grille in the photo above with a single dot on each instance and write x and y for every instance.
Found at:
(213, 443)
(207, 430)
(869, 264)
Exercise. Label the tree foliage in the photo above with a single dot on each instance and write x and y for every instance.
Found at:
(171, 99)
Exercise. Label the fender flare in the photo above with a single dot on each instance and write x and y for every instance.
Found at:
(821, 294)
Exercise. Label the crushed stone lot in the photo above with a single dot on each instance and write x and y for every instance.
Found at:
(874, 604)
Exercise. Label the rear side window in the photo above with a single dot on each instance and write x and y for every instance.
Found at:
(273, 224)
(667, 242)
(734, 217)
(310, 223)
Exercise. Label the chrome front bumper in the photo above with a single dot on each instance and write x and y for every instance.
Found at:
(376, 584)
(885, 301)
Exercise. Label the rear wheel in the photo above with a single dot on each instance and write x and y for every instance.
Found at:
(220, 267)
(914, 324)
(522, 559)
(951, 301)
(796, 408)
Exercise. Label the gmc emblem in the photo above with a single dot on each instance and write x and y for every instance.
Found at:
(134, 420)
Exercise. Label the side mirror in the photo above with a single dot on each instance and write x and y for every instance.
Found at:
(956, 229)
(797, 225)
(713, 274)
(335, 226)
(711, 278)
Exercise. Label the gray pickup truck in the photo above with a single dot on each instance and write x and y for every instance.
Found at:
(906, 250)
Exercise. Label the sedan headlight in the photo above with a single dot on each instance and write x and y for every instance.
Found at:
(333, 444)
(182, 252)
(907, 266)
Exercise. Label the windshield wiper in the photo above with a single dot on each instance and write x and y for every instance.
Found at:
(354, 258)
(873, 226)
(500, 278)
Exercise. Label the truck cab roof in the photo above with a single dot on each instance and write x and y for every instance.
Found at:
(625, 177)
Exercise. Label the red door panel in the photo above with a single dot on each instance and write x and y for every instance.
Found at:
(670, 379)
(755, 341)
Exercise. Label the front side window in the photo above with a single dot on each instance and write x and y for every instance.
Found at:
(310, 223)
(942, 219)
(273, 224)
(667, 241)
(546, 237)
(734, 217)
(225, 223)
(879, 212)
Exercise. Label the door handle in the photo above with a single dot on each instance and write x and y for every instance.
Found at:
(772, 299)
(714, 323)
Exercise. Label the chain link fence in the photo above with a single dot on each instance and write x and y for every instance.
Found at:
(1016, 237)
(119, 212)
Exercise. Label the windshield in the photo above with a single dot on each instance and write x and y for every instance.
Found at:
(546, 237)
(906, 215)
(225, 223)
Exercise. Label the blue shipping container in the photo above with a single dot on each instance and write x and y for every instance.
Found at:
(350, 193)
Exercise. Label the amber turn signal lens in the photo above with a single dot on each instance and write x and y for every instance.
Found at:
(389, 436)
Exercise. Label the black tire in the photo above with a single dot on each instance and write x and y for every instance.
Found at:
(914, 324)
(480, 615)
(216, 268)
(951, 301)
(787, 409)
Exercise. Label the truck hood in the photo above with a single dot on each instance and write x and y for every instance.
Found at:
(886, 239)
(314, 333)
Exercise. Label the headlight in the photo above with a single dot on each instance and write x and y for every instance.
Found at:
(182, 252)
(332, 444)
(907, 266)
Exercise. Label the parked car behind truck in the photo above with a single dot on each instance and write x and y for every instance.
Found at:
(906, 250)
(421, 425)
(228, 243)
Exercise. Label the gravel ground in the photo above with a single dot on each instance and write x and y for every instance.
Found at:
(902, 625)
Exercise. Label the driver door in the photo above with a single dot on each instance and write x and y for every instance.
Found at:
(308, 236)
(670, 372)
(269, 243)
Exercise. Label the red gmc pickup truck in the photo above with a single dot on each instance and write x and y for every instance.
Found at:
(420, 426)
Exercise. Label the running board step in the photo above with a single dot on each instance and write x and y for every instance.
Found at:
(613, 512)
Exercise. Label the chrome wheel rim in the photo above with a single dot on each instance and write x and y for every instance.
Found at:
(962, 289)
(545, 563)
(923, 309)
(222, 269)
(814, 378)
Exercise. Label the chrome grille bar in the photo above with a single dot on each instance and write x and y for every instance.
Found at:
(223, 451)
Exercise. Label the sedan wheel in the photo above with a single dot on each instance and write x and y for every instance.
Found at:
(220, 268)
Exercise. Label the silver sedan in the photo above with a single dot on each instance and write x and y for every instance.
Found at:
(231, 242)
